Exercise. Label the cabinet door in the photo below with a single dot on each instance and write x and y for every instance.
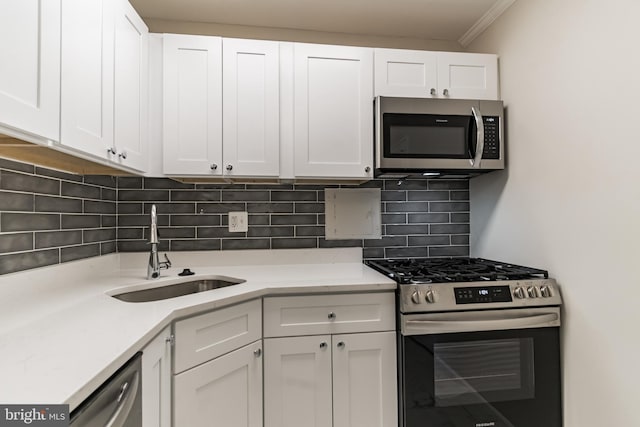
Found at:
(209, 335)
(333, 124)
(131, 88)
(87, 76)
(251, 107)
(364, 380)
(468, 75)
(297, 382)
(156, 381)
(30, 70)
(226, 391)
(329, 314)
(409, 73)
(192, 130)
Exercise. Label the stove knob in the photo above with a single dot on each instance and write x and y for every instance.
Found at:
(532, 291)
(546, 291)
(415, 297)
(519, 293)
(430, 296)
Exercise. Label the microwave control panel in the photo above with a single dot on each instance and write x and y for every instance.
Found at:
(491, 137)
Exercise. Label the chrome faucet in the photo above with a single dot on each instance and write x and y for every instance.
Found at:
(154, 266)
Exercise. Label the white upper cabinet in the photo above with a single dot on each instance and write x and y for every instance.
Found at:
(130, 88)
(410, 73)
(87, 75)
(192, 104)
(422, 74)
(333, 111)
(468, 75)
(30, 70)
(105, 82)
(251, 107)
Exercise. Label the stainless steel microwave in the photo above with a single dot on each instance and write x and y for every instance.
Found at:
(437, 137)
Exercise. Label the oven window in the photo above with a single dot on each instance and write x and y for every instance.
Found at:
(483, 371)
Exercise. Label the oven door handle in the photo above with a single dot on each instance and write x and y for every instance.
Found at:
(502, 321)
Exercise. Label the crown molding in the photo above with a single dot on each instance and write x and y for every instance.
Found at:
(483, 23)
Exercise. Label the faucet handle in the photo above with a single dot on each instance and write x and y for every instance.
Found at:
(165, 264)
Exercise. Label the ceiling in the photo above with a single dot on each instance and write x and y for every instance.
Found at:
(449, 20)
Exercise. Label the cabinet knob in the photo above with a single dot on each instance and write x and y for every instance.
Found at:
(323, 345)
(123, 155)
(258, 352)
(341, 344)
(445, 92)
(111, 150)
(171, 339)
(367, 169)
(213, 166)
(331, 315)
(433, 91)
(229, 167)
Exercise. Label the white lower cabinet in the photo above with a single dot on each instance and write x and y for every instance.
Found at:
(226, 391)
(156, 381)
(323, 381)
(218, 368)
(330, 361)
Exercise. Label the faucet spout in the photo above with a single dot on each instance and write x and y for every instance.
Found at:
(154, 266)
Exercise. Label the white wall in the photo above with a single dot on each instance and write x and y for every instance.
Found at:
(570, 199)
(306, 36)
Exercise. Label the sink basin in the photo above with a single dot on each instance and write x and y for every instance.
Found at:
(177, 289)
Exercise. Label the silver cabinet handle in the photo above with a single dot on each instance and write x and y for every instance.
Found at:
(125, 401)
(433, 91)
(258, 352)
(341, 344)
(171, 339)
(477, 115)
(123, 155)
(445, 92)
(213, 166)
(111, 150)
(229, 167)
(367, 169)
(331, 316)
(323, 345)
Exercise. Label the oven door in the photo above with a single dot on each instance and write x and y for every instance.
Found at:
(481, 369)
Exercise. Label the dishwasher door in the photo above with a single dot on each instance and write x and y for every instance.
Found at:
(117, 403)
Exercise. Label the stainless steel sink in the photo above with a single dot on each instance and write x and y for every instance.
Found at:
(177, 289)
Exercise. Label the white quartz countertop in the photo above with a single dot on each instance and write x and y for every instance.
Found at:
(62, 334)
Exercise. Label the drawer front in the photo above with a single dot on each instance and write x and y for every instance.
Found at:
(201, 338)
(328, 314)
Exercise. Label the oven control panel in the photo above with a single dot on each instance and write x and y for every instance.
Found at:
(487, 294)
(432, 297)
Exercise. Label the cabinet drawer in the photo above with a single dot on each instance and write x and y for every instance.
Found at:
(328, 314)
(204, 337)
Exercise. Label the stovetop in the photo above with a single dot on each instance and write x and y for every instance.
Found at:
(452, 270)
(455, 284)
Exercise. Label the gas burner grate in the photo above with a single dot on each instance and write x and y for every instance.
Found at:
(446, 270)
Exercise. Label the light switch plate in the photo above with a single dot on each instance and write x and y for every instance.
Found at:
(238, 222)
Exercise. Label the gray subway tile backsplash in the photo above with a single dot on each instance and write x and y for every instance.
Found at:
(48, 216)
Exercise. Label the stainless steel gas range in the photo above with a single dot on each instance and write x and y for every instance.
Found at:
(478, 343)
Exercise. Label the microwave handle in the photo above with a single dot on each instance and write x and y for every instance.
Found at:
(477, 115)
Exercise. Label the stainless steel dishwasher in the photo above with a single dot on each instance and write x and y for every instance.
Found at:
(117, 402)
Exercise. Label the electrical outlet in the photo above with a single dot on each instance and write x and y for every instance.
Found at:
(238, 222)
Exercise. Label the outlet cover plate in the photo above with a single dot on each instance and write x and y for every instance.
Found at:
(238, 222)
